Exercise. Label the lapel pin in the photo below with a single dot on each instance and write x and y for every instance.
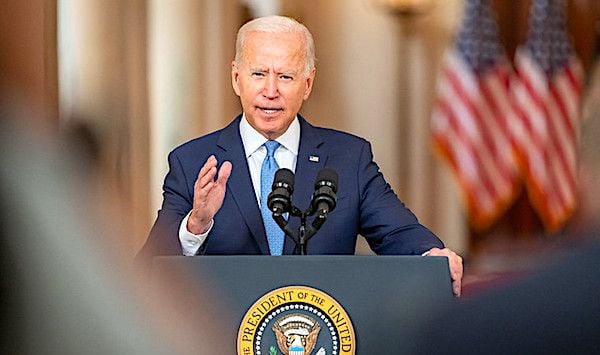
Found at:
(313, 158)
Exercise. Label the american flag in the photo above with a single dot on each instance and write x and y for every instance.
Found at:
(546, 95)
(470, 120)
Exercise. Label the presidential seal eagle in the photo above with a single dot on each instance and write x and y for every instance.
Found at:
(296, 334)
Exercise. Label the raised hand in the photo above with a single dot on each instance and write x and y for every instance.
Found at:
(208, 195)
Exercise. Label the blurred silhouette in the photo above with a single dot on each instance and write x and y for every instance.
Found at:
(66, 285)
(555, 312)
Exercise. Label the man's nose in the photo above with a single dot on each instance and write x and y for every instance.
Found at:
(271, 89)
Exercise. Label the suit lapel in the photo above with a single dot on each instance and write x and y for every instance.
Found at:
(311, 158)
(240, 183)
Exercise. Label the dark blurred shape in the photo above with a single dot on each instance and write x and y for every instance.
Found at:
(67, 285)
(554, 312)
(10, 304)
(81, 136)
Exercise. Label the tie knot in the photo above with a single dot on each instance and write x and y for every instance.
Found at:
(271, 147)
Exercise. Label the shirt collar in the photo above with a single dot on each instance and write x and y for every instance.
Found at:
(253, 140)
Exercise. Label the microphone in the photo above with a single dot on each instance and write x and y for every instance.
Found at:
(322, 202)
(324, 198)
(279, 200)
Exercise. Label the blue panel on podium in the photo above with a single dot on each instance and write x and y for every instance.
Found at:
(387, 298)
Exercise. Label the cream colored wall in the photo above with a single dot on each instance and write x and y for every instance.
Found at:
(376, 78)
(144, 76)
(190, 51)
(102, 85)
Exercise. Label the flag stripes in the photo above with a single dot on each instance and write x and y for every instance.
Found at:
(469, 123)
(546, 95)
(547, 145)
(496, 127)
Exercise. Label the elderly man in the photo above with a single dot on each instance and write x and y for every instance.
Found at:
(215, 191)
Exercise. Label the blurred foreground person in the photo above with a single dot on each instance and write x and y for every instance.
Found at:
(65, 289)
(554, 312)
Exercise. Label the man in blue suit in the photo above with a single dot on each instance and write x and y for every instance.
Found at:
(212, 193)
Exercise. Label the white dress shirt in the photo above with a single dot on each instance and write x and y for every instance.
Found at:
(286, 156)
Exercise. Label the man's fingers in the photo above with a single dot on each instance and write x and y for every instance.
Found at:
(456, 273)
(207, 172)
(203, 191)
(457, 287)
(207, 178)
(224, 173)
(209, 164)
(455, 263)
(206, 184)
(457, 267)
(207, 181)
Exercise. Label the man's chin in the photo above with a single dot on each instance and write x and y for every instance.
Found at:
(270, 134)
(272, 129)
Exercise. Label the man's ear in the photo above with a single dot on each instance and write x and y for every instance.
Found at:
(309, 83)
(235, 74)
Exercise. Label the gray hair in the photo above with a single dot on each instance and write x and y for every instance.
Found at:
(276, 24)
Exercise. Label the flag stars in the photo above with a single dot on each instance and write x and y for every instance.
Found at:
(478, 41)
(548, 39)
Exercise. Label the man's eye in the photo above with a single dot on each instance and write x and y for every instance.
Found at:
(287, 77)
(258, 74)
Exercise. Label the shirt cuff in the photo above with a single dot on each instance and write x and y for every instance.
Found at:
(190, 242)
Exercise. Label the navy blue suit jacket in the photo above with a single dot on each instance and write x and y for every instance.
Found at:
(366, 204)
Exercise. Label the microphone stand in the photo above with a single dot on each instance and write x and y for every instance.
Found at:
(304, 232)
(323, 200)
(283, 224)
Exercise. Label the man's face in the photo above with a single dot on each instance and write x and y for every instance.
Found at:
(271, 80)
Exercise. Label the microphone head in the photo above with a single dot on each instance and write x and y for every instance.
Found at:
(284, 178)
(327, 177)
(279, 200)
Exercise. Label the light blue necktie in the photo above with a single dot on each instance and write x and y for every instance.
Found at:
(267, 174)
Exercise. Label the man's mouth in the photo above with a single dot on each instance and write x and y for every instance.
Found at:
(269, 110)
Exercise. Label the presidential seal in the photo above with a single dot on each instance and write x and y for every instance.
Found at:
(296, 320)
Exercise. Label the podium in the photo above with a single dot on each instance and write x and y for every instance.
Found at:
(322, 304)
